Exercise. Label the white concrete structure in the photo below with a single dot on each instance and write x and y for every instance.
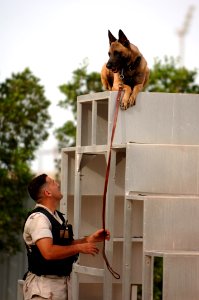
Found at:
(153, 194)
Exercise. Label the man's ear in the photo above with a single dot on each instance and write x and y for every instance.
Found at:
(46, 193)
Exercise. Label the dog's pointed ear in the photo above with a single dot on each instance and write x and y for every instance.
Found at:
(123, 39)
(111, 37)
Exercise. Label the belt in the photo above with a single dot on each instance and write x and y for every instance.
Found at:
(51, 276)
(55, 276)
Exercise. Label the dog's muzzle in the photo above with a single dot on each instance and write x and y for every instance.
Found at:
(111, 67)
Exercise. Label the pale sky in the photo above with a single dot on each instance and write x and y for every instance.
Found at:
(52, 37)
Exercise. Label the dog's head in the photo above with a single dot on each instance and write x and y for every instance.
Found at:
(119, 52)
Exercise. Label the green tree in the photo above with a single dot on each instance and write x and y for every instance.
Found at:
(169, 77)
(24, 121)
(165, 76)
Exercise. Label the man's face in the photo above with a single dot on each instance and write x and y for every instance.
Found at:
(54, 188)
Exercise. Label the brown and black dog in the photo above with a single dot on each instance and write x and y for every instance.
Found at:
(126, 67)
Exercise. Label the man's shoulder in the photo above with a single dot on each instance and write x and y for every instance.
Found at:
(36, 215)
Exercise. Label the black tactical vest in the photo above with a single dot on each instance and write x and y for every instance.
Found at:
(62, 235)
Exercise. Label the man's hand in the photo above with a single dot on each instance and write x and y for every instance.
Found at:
(88, 248)
(98, 236)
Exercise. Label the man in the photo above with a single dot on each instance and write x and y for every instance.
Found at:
(50, 245)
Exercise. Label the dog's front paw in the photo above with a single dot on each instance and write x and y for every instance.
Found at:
(124, 107)
(132, 100)
(124, 103)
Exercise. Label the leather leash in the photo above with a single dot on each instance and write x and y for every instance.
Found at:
(115, 274)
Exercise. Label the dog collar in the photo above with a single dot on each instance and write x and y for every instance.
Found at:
(122, 74)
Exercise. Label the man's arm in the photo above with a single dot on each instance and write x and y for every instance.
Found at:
(85, 245)
(51, 252)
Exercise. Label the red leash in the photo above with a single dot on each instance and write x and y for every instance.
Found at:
(115, 274)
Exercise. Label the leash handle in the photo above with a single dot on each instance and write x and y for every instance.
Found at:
(115, 274)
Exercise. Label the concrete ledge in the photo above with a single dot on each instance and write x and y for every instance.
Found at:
(167, 118)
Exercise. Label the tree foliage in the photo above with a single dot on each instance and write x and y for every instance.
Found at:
(24, 121)
(169, 77)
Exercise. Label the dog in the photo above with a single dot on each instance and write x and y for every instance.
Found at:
(126, 68)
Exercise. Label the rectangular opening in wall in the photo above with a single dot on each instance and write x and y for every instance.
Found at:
(119, 217)
(117, 262)
(117, 291)
(102, 122)
(120, 172)
(136, 291)
(93, 261)
(86, 124)
(71, 172)
(90, 291)
(137, 219)
(91, 214)
(139, 292)
(157, 278)
(67, 181)
(70, 210)
(93, 170)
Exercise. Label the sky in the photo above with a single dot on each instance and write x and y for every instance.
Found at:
(52, 38)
